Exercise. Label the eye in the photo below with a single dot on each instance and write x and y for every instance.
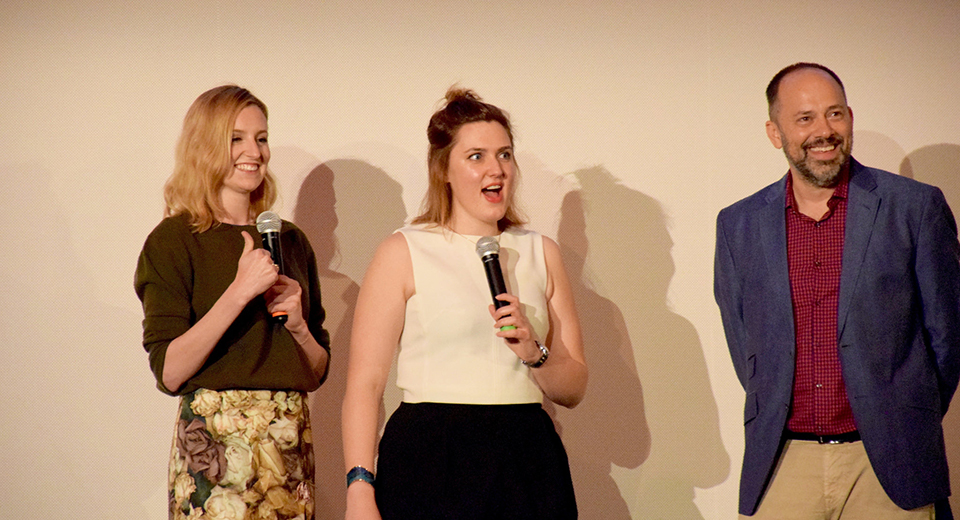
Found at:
(506, 155)
(236, 139)
(262, 140)
(475, 156)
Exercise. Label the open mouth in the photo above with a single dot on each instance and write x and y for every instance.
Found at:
(824, 145)
(493, 192)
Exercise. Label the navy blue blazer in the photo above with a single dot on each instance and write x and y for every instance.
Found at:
(898, 328)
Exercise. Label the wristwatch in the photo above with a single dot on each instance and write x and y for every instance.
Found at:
(544, 354)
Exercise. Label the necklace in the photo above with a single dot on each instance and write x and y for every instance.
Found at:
(474, 242)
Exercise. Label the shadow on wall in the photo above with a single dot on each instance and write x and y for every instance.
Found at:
(664, 436)
(609, 426)
(878, 150)
(346, 208)
(937, 165)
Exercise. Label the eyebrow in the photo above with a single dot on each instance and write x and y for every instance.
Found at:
(831, 107)
(502, 148)
(476, 149)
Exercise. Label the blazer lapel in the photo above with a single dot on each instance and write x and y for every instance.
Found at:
(773, 235)
(862, 205)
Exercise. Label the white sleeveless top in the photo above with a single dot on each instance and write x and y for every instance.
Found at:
(449, 351)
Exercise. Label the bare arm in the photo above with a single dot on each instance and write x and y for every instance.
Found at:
(377, 324)
(563, 378)
(187, 353)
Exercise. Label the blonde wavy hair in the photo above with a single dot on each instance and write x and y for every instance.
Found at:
(461, 106)
(203, 159)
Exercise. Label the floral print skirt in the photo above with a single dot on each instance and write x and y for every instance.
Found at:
(242, 455)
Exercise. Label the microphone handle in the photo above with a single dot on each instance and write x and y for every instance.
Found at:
(491, 264)
(271, 242)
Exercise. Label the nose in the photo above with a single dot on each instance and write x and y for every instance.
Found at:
(251, 148)
(824, 127)
(498, 168)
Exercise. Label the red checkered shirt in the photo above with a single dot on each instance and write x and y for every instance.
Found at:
(814, 253)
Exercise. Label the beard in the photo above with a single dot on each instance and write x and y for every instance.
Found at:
(822, 174)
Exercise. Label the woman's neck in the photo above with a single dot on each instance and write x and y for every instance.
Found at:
(236, 207)
(474, 227)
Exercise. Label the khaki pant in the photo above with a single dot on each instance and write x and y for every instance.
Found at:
(815, 481)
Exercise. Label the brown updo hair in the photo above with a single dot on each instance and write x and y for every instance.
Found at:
(461, 106)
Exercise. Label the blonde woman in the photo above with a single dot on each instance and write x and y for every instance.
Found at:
(243, 436)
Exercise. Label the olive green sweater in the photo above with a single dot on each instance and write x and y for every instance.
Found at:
(181, 274)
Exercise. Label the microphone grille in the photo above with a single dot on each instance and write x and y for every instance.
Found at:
(487, 246)
(268, 222)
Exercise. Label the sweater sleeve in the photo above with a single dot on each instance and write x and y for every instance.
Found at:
(163, 282)
(315, 312)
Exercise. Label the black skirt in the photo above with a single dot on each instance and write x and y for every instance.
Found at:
(459, 461)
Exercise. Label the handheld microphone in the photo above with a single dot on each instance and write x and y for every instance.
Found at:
(488, 249)
(268, 224)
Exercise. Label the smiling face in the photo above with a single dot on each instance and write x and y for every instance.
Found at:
(481, 174)
(813, 126)
(249, 153)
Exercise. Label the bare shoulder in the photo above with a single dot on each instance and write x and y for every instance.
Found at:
(394, 246)
(391, 265)
(551, 254)
(556, 272)
(550, 246)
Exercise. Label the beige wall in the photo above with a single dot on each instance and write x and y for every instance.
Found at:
(636, 122)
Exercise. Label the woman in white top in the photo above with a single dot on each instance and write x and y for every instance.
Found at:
(470, 439)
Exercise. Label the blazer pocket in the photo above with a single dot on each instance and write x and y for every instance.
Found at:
(923, 396)
(750, 408)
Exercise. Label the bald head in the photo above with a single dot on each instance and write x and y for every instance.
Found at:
(773, 88)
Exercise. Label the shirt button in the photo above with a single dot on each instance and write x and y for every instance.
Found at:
(818, 385)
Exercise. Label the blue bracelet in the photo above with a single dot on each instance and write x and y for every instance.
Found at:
(360, 473)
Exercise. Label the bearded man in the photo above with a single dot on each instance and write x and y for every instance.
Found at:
(839, 290)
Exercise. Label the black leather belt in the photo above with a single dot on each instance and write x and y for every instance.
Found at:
(840, 438)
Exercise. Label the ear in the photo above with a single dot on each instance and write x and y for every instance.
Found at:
(773, 133)
(851, 115)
